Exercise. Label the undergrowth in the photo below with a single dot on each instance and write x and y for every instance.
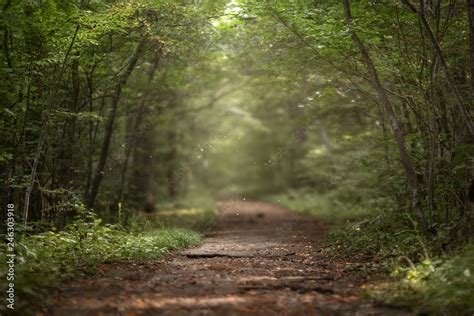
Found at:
(323, 206)
(424, 277)
(442, 285)
(45, 260)
(177, 215)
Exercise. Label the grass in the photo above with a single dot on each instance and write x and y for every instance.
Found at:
(198, 219)
(196, 212)
(45, 260)
(322, 206)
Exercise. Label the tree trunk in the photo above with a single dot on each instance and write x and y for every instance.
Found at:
(122, 80)
(444, 66)
(67, 155)
(395, 123)
(44, 127)
(173, 186)
(470, 14)
(136, 131)
(470, 210)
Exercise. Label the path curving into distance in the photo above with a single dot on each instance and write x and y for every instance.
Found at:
(260, 259)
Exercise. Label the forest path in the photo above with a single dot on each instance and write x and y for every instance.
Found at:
(260, 259)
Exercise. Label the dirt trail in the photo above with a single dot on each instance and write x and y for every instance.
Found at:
(259, 260)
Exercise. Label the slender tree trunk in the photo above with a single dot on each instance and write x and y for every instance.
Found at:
(67, 154)
(172, 157)
(129, 144)
(394, 121)
(136, 131)
(470, 14)
(44, 127)
(444, 66)
(90, 88)
(470, 210)
(122, 80)
(150, 169)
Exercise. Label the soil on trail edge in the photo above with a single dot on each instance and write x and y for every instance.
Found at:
(260, 259)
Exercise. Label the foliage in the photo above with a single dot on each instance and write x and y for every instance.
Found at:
(348, 110)
(439, 286)
(45, 260)
(321, 206)
(85, 86)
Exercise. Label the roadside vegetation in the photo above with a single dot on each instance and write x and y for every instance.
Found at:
(44, 260)
(421, 275)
